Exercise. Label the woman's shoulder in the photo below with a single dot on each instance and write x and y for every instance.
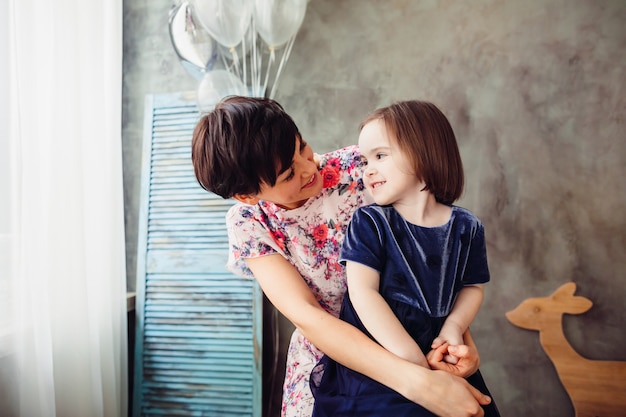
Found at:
(344, 159)
(239, 211)
(251, 217)
(342, 171)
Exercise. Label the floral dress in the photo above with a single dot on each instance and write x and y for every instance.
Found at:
(310, 238)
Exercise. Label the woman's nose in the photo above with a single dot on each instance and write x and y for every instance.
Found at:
(306, 166)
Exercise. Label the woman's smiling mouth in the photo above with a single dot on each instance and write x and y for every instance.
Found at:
(311, 182)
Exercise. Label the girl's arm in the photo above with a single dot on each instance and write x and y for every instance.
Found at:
(377, 316)
(463, 312)
(287, 291)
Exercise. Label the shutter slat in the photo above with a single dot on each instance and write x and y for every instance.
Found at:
(198, 343)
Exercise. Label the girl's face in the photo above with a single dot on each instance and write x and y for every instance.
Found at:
(298, 183)
(388, 174)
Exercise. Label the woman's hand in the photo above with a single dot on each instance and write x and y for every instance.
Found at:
(467, 354)
(451, 396)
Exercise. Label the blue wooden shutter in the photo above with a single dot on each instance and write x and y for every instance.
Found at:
(198, 327)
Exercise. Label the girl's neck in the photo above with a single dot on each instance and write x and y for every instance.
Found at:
(425, 211)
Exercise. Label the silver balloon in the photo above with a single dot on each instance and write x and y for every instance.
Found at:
(195, 48)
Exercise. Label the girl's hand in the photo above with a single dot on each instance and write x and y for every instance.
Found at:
(452, 336)
(464, 366)
(467, 355)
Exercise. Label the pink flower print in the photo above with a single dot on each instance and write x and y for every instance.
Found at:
(320, 233)
(337, 266)
(279, 237)
(330, 175)
(334, 162)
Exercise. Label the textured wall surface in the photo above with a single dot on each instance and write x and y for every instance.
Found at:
(535, 91)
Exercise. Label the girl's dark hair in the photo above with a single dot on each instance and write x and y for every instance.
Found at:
(241, 144)
(424, 133)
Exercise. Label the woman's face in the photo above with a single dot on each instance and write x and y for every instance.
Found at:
(301, 181)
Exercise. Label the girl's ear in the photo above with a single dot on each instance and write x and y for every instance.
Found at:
(246, 199)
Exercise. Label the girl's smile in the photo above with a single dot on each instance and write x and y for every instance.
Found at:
(376, 184)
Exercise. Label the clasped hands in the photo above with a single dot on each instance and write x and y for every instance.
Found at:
(467, 358)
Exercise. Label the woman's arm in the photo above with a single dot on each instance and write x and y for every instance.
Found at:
(377, 316)
(439, 392)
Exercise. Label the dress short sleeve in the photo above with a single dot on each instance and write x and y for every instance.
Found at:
(249, 237)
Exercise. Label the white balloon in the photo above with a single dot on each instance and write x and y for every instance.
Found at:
(278, 20)
(226, 20)
(216, 85)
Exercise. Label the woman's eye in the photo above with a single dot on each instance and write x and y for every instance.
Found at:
(380, 155)
(290, 176)
(303, 145)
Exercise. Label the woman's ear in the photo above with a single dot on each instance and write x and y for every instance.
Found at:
(246, 199)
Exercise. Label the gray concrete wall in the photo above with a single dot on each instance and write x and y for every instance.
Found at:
(535, 91)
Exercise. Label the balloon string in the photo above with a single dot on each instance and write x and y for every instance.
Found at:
(236, 65)
(224, 61)
(283, 59)
(269, 67)
(255, 64)
(257, 81)
(243, 56)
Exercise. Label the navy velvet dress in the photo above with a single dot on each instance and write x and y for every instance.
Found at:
(421, 271)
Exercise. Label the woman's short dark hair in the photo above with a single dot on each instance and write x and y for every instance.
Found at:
(241, 144)
(424, 133)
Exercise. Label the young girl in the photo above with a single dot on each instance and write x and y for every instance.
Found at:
(415, 263)
(286, 233)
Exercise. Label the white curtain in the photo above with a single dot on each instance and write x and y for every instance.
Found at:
(62, 265)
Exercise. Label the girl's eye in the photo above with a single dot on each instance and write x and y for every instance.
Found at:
(291, 175)
(303, 145)
(380, 155)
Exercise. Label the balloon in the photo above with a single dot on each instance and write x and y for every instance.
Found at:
(196, 50)
(225, 20)
(216, 85)
(226, 53)
(278, 20)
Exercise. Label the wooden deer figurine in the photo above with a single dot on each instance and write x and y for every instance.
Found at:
(596, 388)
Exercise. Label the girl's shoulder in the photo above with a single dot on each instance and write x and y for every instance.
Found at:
(377, 214)
(465, 215)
